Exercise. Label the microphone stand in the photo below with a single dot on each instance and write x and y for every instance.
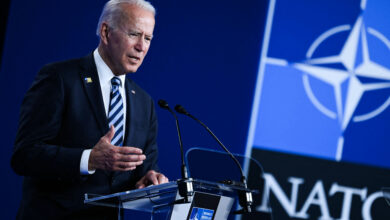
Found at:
(185, 186)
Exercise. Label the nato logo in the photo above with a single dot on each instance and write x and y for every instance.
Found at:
(323, 87)
(201, 214)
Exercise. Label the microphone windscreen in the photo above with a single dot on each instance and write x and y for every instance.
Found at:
(180, 109)
(163, 104)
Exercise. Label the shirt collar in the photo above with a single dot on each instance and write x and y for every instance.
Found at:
(104, 72)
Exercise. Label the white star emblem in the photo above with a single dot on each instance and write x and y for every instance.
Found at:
(323, 69)
(336, 76)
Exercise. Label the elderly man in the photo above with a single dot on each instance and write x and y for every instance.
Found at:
(86, 128)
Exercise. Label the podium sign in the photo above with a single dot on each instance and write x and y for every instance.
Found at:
(204, 206)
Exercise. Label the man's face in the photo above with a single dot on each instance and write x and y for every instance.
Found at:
(126, 44)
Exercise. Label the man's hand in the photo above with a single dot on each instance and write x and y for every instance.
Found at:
(106, 156)
(151, 177)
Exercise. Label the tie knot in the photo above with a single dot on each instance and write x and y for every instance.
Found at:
(115, 81)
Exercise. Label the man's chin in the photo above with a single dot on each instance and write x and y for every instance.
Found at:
(132, 69)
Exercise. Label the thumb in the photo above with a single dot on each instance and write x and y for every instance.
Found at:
(110, 134)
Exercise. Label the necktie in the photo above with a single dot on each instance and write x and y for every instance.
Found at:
(115, 113)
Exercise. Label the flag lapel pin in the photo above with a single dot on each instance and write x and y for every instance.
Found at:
(88, 79)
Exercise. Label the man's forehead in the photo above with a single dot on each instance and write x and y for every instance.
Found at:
(136, 15)
(132, 10)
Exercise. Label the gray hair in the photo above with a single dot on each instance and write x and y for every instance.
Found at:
(112, 9)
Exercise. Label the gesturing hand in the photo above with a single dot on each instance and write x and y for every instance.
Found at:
(106, 156)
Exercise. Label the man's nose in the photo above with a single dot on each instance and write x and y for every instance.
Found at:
(140, 46)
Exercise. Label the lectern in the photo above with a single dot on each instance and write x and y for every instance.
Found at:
(213, 199)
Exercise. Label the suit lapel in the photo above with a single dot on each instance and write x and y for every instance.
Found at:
(92, 88)
(129, 106)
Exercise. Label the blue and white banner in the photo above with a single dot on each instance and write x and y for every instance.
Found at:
(322, 102)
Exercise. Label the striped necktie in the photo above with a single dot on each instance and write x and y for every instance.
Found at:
(115, 113)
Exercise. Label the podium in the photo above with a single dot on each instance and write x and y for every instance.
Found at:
(210, 200)
(215, 194)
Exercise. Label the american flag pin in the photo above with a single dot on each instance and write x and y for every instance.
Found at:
(88, 79)
(132, 91)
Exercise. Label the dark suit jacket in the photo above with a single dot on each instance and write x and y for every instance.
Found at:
(62, 114)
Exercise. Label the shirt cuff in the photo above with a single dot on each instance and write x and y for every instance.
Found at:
(84, 163)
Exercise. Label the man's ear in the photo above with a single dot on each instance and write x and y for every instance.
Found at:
(104, 31)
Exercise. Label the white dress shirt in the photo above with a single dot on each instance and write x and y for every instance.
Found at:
(105, 75)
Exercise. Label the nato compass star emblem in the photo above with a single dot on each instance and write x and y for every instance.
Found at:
(309, 104)
(354, 63)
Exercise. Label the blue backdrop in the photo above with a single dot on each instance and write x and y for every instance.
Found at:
(204, 55)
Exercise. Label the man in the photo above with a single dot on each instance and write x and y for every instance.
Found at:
(85, 128)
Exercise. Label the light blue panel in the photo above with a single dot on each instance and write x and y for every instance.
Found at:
(376, 16)
(286, 115)
(291, 118)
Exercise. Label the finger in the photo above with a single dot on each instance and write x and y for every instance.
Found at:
(132, 158)
(129, 150)
(123, 169)
(140, 186)
(110, 134)
(153, 178)
(162, 179)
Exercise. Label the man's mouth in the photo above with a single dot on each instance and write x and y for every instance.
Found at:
(134, 58)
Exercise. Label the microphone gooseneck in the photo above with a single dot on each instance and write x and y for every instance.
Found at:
(164, 105)
(180, 109)
(245, 196)
(185, 183)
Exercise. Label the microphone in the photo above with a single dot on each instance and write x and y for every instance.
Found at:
(185, 183)
(164, 105)
(245, 197)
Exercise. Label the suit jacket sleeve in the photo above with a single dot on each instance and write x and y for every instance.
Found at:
(35, 153)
